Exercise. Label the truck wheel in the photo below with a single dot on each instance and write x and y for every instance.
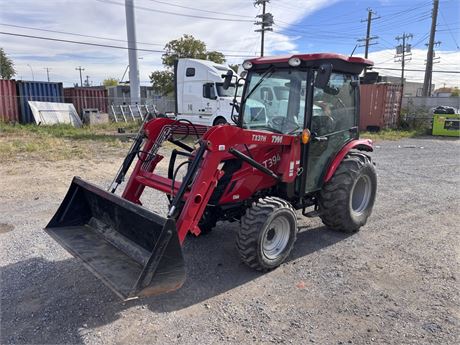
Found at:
(267, 233)
(346, 201)
(219, 121)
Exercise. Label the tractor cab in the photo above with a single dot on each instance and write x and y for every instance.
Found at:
(314, 92)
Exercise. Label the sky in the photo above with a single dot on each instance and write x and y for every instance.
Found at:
(301, 26)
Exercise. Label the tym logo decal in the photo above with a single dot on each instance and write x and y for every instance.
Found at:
(259, 137)
(277, 139)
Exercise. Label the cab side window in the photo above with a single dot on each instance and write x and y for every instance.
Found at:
(334, 107)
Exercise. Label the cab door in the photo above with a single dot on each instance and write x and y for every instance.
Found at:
(333, 123)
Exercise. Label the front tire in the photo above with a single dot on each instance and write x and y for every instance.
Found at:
(346, 201)
(267, 233)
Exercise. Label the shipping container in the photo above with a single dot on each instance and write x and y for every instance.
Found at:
(87, 98)
(380, 106)
(37, 91)
(9, 110)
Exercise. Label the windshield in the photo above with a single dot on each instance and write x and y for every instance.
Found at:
(276, 102)
(230, 92)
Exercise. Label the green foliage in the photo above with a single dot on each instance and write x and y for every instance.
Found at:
(185, 47)
(162, 82)
(215, 56)
(455, 92)
(189, 47)
(60, 142)
(7, 70)
(234, 68)
(391, 134)
(110, 82)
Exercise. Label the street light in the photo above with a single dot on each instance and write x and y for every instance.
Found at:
(31, 70)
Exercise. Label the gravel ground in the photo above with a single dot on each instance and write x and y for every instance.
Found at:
(395, 282)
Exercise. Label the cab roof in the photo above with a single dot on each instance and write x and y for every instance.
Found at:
(340, 62)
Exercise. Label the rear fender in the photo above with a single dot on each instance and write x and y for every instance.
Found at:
(359, 144)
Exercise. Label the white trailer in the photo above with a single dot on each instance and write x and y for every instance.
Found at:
(200, 97)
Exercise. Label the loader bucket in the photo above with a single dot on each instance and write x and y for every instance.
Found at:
(135, 252)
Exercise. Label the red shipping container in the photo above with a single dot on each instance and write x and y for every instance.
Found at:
(380, 105)
(87, 98)
(9, 109)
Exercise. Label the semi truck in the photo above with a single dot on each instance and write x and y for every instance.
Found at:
(200, 95)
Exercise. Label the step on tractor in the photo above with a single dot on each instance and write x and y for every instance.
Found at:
(294, 147)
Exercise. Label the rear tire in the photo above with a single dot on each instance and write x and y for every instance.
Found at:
(346, 201)
(267, 233)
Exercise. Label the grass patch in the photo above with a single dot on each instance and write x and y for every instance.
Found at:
(392, 134)
(105, 132)
(60, 142)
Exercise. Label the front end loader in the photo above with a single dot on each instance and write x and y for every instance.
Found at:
(295, 146)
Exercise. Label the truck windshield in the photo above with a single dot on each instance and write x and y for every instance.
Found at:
(230, 92)
(276, 102)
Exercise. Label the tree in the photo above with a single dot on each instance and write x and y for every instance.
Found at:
(217, 57)
(234, 68)
(189, 47)
(7, 70)
(162, 82)
(455, 92)
(110, 81)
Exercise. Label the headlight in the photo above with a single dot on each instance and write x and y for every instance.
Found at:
(247, 65)
(294, 62)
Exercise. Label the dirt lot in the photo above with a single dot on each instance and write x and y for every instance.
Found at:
(395, 282)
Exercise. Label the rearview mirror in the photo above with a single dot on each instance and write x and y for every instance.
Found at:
(323, 75)
(227, 79)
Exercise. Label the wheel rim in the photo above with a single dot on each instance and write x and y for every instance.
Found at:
(276, 237)
(360, 195)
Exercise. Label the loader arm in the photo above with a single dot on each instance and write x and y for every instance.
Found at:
(191, 196)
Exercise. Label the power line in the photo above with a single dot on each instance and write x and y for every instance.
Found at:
(177, 14)
(414, 70)
(97, 44)
(448, 28)
(199, 9)
(75, 34)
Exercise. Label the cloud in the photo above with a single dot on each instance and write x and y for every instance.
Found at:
(90, 17)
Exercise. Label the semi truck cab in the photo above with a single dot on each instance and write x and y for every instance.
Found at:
(200, 96)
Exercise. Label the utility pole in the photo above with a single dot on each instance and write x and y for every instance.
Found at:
(81, 78)
(32, 71)
(134, 82)
(87, 81)
(436, 59)
(369, 38)
(266, 23)
(47, 73)
(403, 52)
(426, 91)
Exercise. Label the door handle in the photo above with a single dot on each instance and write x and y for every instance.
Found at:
(320, 138)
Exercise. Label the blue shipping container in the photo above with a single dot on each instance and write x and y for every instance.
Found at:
(37, 91)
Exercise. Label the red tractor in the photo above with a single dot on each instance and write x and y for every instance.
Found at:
(295, 146)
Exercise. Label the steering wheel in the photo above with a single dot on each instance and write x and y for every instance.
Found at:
(278, 121)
